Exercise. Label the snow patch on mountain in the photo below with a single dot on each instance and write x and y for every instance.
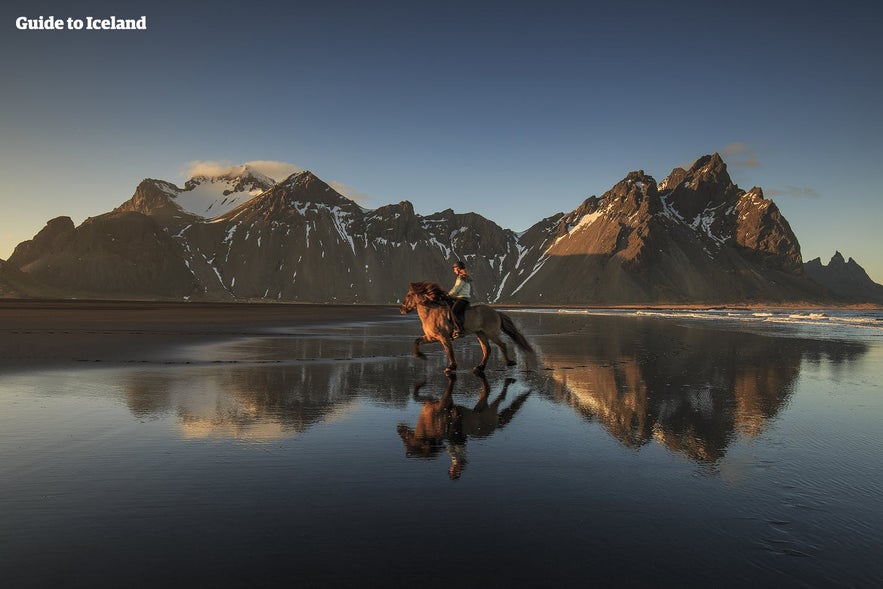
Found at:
(584, 222)
(212, 196)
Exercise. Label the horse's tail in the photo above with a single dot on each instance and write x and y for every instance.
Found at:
(508, 327)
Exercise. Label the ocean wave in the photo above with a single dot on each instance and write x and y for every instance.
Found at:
(822, 323)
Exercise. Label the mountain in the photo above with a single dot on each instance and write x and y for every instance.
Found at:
(303, 241)
(846, 279)
(15, 284)
(695, 237)
(121, 254)
(203, 197)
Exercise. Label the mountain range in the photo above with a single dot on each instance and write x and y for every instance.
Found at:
(692, 238)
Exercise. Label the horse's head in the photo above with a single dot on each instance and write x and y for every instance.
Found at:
(419, 446)
(424, 293)
(411, 301)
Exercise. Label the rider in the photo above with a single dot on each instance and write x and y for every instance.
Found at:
(461, 292)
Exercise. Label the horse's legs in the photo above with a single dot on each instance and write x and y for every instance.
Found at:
(485, 351)
(503, 348)
(417, 352)
(449, 350)
(481, 404)
(502, 395)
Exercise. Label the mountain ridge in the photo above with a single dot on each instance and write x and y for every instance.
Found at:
(695, 237)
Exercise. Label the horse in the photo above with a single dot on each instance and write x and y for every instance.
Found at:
(432, 304)
(444, 426)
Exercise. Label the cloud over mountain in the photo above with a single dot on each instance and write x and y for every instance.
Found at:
(274, 169)
(740, 155)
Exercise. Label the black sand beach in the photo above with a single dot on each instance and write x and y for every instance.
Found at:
(36, 333)
(151, 444)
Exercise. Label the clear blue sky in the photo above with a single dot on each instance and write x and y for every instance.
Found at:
(513, 110)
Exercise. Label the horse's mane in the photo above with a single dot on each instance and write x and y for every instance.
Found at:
(430, 292)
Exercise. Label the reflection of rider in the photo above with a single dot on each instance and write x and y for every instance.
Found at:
(461, 292)
(457, 454)
(445, 426)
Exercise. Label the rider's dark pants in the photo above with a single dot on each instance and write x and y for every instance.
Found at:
(459, 310)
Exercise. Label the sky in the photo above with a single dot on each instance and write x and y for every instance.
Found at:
(516, 111)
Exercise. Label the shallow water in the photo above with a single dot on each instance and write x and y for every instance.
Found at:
(636, 451)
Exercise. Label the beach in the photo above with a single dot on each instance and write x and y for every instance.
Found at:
(236, 445)
(36, 333)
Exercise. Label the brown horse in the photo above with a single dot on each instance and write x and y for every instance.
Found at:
(444, 426)
(431, 302)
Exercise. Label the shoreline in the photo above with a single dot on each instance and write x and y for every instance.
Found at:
(68, 303)
(41, 333)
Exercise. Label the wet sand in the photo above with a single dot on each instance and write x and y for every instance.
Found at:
(35, 334)
(249, 445)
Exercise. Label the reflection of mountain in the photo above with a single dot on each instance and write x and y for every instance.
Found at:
(692, 390)
(261, 402)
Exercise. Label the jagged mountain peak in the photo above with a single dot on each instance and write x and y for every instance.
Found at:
(847, 279)
(155, 198)
(837, 262)
(153, 184)
(704, 186)
(212, 196)
(710, 169)
(693, 237)
(203, 196)
(711, 162)
(243, 176)
(404, 208)
(636, 184)
(300, 178)
(296, 194)
(305, 186)
(677, 176)
(456, 225)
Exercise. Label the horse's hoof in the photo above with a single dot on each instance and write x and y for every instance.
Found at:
(478, 370)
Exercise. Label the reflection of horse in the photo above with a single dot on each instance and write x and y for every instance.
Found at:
(442, 421)
(431, 303)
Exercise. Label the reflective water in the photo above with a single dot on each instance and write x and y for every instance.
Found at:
(635, 451)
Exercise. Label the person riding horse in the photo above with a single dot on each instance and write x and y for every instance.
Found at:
(461, 292)
(432, 305)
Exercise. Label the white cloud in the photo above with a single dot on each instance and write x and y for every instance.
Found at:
(274, 169)
(740, 155)
(350, 192)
